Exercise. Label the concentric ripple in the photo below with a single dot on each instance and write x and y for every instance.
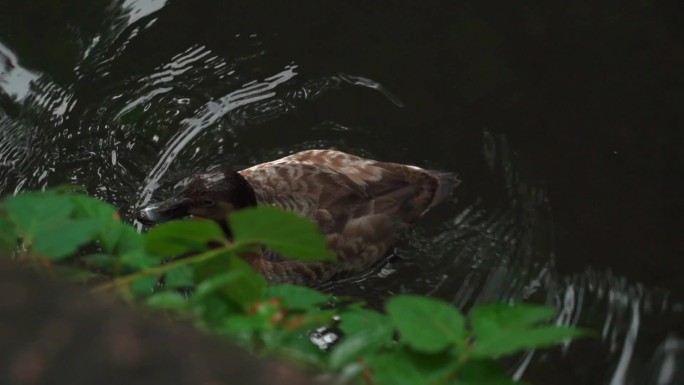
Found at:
(143, 105)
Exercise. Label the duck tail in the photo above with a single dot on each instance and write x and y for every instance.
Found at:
(447, 182)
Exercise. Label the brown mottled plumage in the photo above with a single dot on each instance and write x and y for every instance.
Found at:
(359, 205)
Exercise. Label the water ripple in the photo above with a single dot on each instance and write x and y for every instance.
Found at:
(212, 112)
(627, 318)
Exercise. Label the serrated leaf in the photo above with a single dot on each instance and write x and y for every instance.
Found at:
(358, 320)
(93, 208)
(301, 349)
(139, 260)
(212, 309)
(175, 238)
(115, 236)
(45, 221)
(314, 319)
(246, 286)
(100, 261)
(241, 284)
(501, 329)
(167, 301)
(483, 372)
(281, 231)
(298, 297)
(126, 239)
(238, 324)
(144, 286)
(181, 276)
(495, 318)
(355, 346)
(404, 367)
(60, 239)
(497, 345)
(388, 369)
(31, 211)
(218, 265)
(426, 324)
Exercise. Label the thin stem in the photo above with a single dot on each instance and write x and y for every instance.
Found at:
(157, 270)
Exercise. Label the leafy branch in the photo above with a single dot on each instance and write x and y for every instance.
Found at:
(161, 269)
(418, 340)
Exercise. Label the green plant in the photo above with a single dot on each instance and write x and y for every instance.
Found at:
(418, 341)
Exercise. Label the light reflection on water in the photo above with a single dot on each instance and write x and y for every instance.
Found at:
(15, 80)
(206, 117)
(130, 133)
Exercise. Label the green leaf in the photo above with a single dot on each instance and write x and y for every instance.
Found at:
(501, 329)
(238, 324)
(31, 211)
(241, 284)
(93, 208)
(167, 300)
(100, 261)
(144, 286)
(355, 346)
(493, 318)
(309, 321)
(8, 235)
(365, 331)
(247, 286)
(115, 236)
(298, 297)
(300, 349)
(175, 238)
(180, 276)
(355, 321)
(61, 238)
(213, 266)
(514, 341)
(281, 231)
(125, 239)
(44, 221)
(426, 324)
(390, 369)
(138, 260)
(483, 372)
(405, 367)
(212, 309)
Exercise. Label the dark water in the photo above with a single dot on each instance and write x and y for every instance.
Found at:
(565, 122)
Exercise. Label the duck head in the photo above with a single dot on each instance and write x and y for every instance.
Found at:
(211, 195)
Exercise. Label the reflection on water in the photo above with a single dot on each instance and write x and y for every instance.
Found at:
(15, 80)
(639, 332)
(129, 124)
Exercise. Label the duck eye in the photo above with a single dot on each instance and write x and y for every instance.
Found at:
(207, 202)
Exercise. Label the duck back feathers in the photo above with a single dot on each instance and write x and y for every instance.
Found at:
(359, 205)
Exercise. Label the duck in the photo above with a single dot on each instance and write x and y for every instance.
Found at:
(358, 204)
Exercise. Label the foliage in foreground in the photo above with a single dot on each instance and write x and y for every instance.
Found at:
(418, 340)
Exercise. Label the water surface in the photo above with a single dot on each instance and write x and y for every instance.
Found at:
(563, 121)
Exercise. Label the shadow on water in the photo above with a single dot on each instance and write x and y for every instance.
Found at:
(130, 98)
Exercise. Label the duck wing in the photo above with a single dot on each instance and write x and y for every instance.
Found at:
(359, 204)
(408, 191)
(304, 189)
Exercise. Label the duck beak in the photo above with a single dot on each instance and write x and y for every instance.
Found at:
(164, 211)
